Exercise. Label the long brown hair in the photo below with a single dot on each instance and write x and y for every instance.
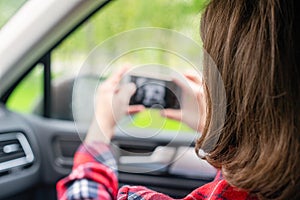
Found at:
(255, 47)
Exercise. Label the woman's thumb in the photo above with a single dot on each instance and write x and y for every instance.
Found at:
(126, 91)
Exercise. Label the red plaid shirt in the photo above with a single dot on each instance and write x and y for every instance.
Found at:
(95, 177)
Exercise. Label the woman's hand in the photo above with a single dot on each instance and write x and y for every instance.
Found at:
(193, 103)
(112, 103)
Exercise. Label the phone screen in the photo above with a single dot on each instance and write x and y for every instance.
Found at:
(155, 93)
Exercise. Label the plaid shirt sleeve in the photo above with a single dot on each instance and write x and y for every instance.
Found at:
(94, 176)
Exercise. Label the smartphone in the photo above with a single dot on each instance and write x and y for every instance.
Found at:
(155, 92)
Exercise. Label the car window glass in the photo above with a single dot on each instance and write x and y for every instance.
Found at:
(8, 9)
(116, 17)
(28, 94)
(119, 16)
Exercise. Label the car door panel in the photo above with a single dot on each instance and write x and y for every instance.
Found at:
(54, 143)
(19, 177)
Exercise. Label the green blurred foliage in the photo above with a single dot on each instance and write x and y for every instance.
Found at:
(151, 119)
(124, 15)
(26, 96)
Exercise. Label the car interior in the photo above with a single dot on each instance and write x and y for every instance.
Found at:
(38, 136)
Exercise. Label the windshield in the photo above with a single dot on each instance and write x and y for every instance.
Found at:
(8, 9)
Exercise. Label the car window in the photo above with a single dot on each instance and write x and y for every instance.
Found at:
(8, 9)
(114, 18)
(119, 16)
(26, 96)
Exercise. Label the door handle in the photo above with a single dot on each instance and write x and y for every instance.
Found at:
(161, 154)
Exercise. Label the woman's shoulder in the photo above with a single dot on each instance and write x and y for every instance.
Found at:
(220, 189)
(216, 190)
